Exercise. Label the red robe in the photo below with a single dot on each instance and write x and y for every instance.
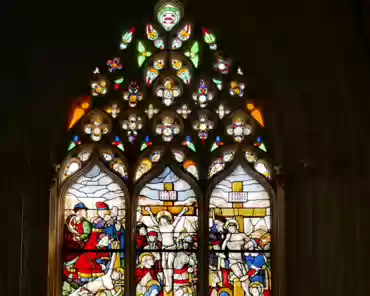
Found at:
(86, 265)
(141, 272)
(69, 243)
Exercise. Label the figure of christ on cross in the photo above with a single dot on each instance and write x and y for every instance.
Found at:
(167, 230)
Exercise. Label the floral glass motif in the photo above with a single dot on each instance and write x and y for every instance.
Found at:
(76, 141)
(151, 111)
(217, 166)
(118, 143)
(72, 166)
(143, 53)
(118, 166)
(107, 155)
(182, 36)
(238, 129)
(191, 167)
(113, 110)
(203, 125)
(176, 43)
(179, 156)
(167, 209)
(203, 95)
(185, 33)
(127, 38)
(132, 125)
(151, 75)
(218, 83)
(210, 39)
(193, 54)
(94, 235)
(99, 87)
(222, 111)
(168, 92)
(260, 144)
(188, 143)
(250, 157)
(237, 88)
(222, 66)
(184, 75)
(158, 64)
(168, 128)
(240, 207)
(155, 156)
(159, 43)
(228, 156)
(84, 155)
(147, 143)
(151, 32)
(184, 111)
(262, 168)
(218, 143)
(118, 82)
(114, 65)
(168, 16)
(144, 167)
(176, 64)
(96, 128)
(133, 95)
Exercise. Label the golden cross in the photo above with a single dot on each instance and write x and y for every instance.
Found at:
(237, 211)
(169, 206)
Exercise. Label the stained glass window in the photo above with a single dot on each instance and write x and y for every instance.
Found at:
(167, 113)
(240, 236)
(94, 236)
(166, 237)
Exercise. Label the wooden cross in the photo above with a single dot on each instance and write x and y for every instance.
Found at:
(237, 211)
(169, 206)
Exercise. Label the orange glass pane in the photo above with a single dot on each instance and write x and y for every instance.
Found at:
(257, 115)
(76, 116)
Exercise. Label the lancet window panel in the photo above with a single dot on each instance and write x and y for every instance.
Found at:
(166, 236)
(94, 233)
(240, 235)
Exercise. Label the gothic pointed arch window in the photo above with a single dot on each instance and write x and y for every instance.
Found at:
(167, 187)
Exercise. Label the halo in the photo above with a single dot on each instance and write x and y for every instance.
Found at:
(164, 214)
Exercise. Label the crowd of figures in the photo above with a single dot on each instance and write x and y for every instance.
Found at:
(92, 264)
(166, 261)
(240, 264)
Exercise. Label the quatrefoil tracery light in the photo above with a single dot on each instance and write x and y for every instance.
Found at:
(168, 128)
(168, 92)
(132, 125)
(96, 128)
(238, 129)
(203, 125)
